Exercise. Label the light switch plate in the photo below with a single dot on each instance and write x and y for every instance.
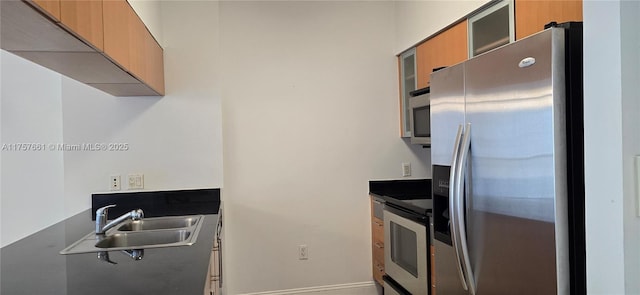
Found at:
(406, 169)
(136, 181)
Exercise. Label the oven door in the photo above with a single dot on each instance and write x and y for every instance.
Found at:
(405, 252)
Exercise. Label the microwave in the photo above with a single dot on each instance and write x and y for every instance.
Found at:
(420, 117)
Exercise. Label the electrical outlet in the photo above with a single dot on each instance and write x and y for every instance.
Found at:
(303, 252)
(136, 181)
(114, 182)
(406, 169)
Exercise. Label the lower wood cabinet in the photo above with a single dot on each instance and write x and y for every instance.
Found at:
(377, 245)
(213, 285)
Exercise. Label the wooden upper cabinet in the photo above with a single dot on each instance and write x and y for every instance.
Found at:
(146, 56)
(116, 52)
(532, 15)
(154, 65)
(49, 7)
(424, 62)
(128, 42)
(137, 47)
(443, 50)
(84, 18)
(117, 15)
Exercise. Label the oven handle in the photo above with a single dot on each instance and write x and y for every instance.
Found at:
(460, 208)
(453, 215)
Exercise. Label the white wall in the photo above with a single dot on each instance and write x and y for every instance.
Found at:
(611, 140)
(310, 116)
(418, 19)
(29, 115)
(175, 141)
(150, 13)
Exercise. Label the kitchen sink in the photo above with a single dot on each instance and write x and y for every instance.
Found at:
(159, 223)
(137, 240)
(159, 232)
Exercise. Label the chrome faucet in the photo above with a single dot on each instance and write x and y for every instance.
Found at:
(102, 215)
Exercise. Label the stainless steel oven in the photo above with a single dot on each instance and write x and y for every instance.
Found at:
(406, 256)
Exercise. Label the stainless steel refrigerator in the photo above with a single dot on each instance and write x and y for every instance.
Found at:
(508, 169)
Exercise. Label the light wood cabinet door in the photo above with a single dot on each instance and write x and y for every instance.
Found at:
(443, 50)
(408, 83)
(84, 18)
(532, 15)
(137, 41)
(154, 64)
(49, 7)
(425, 52)
(117, 15)
(377, 246)
(131, 45)
(146, 56)
(377, 249)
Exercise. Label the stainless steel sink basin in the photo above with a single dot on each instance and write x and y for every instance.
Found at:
(159, 223)
(137, 240)
(148, 233)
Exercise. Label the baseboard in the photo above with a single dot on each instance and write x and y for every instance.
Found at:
(361, 288)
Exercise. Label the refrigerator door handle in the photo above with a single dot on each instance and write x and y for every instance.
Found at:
(453, 215)
(460, 208)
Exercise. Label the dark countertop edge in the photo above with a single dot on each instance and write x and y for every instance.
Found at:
(398, 203)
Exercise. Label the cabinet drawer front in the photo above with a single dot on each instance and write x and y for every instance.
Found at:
(378, 251)
(378, 272)
(377, 229)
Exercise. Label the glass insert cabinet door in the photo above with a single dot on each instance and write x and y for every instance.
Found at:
(491, 27)
(408, 83)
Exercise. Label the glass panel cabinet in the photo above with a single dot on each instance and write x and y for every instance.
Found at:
(491, 28)
(408, 83)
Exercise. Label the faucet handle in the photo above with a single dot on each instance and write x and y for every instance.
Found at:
(104, 210)
(101, 217)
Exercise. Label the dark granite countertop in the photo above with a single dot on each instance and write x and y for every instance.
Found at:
(412, 194)
(33, 265)
(402, 189)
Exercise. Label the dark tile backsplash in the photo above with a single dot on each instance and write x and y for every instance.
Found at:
(159, 203)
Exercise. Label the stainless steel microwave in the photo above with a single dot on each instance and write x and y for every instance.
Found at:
(420, 117)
